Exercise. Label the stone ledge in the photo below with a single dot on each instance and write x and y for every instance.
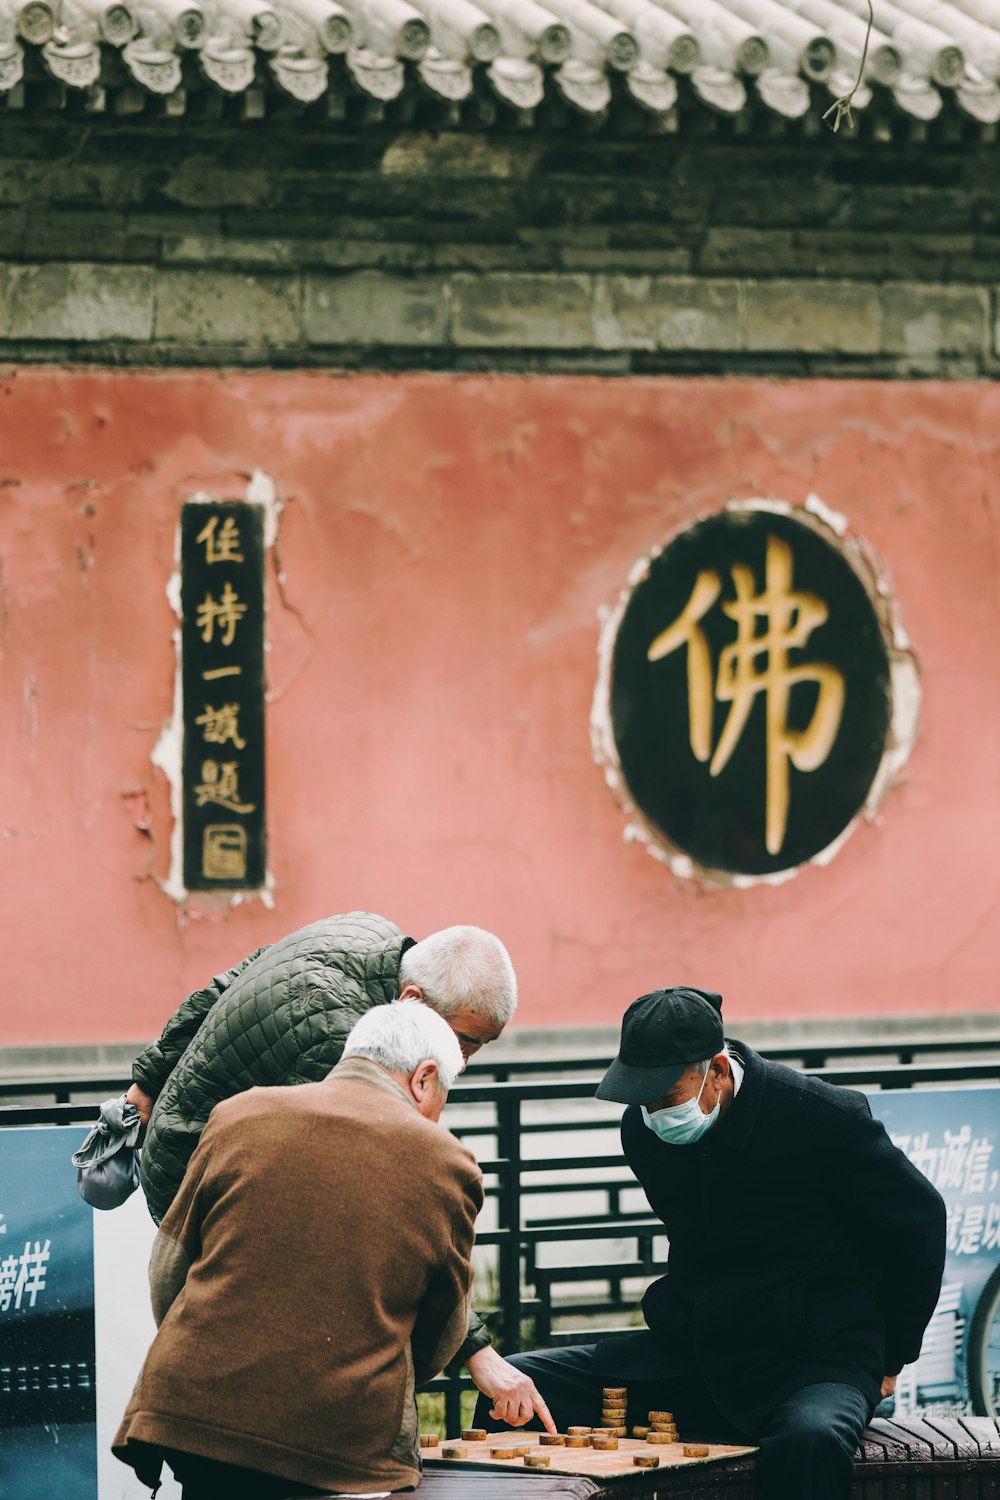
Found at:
(660, 312)
(75, 301)
(535, 312)
(816, 317)
(913, 328)
(367, 307)
(227, 306)
(923, 321)
(396, 360)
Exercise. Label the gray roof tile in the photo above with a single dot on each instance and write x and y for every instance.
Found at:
(727, 54)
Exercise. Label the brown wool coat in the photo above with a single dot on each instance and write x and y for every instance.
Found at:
(314, 1266)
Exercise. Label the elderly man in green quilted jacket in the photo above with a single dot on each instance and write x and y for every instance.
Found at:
(282, 1017)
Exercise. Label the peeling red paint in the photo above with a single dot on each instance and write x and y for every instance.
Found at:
(445, 548)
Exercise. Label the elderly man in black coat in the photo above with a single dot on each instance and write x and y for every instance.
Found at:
(806, 1254)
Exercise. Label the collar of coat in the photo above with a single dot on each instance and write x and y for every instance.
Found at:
(363, 1070)
(736, 1130)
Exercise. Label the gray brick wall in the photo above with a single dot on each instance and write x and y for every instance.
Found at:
(288, 243)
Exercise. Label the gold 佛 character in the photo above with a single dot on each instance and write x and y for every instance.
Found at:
(789, 619)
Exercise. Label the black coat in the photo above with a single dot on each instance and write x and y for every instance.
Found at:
(803, 1245)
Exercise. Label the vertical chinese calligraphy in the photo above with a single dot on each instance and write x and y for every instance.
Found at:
(222, 641)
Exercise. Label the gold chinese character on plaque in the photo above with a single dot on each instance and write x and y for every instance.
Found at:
(224, 852)
(744, 702)
(788, 619)
(220, 542)
(220, 726)
(220, 784)
(223, 552)
(226, 613)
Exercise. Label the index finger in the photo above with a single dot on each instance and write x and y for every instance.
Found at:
(542, 1411)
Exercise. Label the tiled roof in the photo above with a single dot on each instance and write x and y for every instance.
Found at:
(513, 54)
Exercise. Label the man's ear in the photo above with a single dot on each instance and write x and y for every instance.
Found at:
(411, 992)
(425, 1077)
(424, 1080)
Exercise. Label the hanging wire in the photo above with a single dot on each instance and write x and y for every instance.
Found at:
(841, 108)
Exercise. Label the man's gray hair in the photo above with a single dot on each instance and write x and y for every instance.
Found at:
(462, 968)
(403, 1035)
(705, 1061)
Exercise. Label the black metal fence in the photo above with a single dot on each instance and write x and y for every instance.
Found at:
(529, 1125)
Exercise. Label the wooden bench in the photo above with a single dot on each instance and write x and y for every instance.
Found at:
(902, 1459)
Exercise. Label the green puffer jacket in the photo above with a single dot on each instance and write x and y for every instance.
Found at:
(280, 1017)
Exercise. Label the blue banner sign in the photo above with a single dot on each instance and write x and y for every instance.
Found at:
(48, 1432)
(953, 1137)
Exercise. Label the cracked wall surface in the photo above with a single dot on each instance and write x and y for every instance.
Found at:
(446, 547)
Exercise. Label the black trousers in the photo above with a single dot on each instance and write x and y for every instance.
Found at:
(807, 1443)
(205, 1479)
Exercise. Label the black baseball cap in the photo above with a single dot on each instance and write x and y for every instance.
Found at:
(662, 1034)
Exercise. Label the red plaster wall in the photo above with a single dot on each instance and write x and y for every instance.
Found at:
(445, 548)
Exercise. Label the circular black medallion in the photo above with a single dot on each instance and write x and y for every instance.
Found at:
(750, 692)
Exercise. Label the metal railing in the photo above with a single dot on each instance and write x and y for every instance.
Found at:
(877, 1058)
(506, 1118)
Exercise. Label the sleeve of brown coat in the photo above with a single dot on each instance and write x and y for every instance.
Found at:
(442, 1322)
(179, 1239)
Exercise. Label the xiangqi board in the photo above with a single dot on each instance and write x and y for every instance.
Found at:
(562, 1460)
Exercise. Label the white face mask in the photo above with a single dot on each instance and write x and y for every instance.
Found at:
(682, 1124)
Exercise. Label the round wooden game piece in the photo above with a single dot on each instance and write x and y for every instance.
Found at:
(646, 1460)
(664, 1426)
(614, 1411)
(578, 1431)
(603, 1441)
(521, 1451)
(640, 1432)
(577, 1440)
(619, 1431)
(614, 1390)
(473, 1434)
(695, 1450)
(551, 1439)
(661, 1416)
(501, 1453)
(428, 1440)
(660, 1437)
(537, 1461)
(602, 1432)
(454, 1452)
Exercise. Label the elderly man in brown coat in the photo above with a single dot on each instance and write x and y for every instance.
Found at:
(313, 1269)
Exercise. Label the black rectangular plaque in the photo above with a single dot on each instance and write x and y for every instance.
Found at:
(222, 690)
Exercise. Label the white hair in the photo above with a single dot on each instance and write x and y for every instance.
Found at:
(401, 1036)
(705, 1062)
(463, 968)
